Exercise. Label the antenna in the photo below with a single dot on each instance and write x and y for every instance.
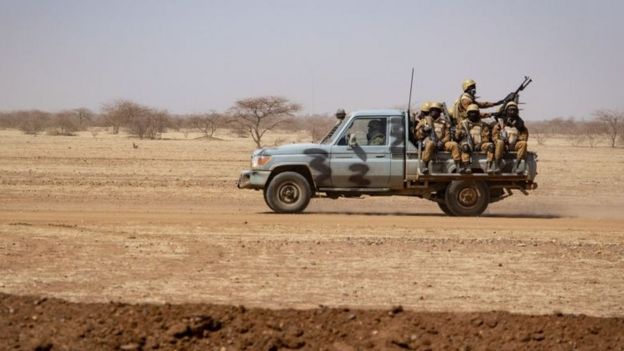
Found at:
(409, 102)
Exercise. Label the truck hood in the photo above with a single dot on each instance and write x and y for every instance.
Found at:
(296, 149)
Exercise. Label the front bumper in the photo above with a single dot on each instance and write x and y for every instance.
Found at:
(253, 179)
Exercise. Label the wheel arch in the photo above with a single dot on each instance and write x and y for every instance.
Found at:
(299, 168)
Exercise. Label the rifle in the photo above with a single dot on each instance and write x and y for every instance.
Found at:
(515, 95)
(432, 133)
(446, 114)
(468, 135)
(450, 120)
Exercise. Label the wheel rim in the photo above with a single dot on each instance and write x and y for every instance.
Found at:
(468, 197)
(288, 193)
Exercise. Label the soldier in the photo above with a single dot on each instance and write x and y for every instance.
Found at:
(460, 108)
(474, 136)
(425, 108)
(416, 117)
(511, 134)
(376, 132)
(434, 132)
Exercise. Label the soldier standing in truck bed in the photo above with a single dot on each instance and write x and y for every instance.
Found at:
(474, 136)
(511, 135)
(434, 132)
(467, 98)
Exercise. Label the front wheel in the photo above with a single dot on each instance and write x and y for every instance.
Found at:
(467, 198)
(288, 192)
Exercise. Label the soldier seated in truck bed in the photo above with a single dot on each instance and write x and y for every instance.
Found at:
(434, 132)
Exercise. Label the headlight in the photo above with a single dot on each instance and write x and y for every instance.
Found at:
(259, 161)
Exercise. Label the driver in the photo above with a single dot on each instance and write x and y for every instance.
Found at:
(376, 132)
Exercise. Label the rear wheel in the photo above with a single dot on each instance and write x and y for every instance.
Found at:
(288, 192)
(440, 200)
(445, 208)
(467, 198)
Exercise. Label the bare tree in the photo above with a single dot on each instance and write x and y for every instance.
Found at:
(148, 123)
(612, 122)
(207, 123)
(118, 113)
(142, 121)
(318, 125)
(262, 114)
(32, 122)
(593, 132)
(64, 123)
(84, 116)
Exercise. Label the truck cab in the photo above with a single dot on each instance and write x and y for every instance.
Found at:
(373, 153)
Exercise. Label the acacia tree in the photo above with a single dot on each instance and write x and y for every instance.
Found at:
(84, 116)
(262, 114)
(148, 123)
(593, 131)
(64, 123)
(32, 122)
(206, 123)
(613, 122)
(120, 112)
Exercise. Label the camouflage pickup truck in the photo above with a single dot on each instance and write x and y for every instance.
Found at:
(348, 162)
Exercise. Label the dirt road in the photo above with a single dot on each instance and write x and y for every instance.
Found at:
(95, 220)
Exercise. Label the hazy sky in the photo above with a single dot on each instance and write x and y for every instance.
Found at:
(193, 56)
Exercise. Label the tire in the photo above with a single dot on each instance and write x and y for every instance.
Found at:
(467, 198)
(441, 202)
(288, 192)
(445, 208)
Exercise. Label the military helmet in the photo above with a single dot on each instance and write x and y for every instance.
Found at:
(511, 104)
(425, 106)
(468, 83)
(472, 107)
(435, 105)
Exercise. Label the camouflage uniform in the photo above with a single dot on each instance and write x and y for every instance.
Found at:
(514, 138)
(377, 138)
(376, 135)
(460, 108)
(435, 127)
(480, 135)
(418, 116)
(442, 130)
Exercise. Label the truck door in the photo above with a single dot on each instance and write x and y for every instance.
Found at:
(361, 156)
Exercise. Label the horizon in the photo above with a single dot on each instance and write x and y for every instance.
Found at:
(194, 56)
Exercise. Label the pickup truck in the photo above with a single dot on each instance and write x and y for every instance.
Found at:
(345, 164)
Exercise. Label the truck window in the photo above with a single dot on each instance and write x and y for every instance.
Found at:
(366, 132)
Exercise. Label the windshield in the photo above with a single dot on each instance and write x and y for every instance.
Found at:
(327, 138)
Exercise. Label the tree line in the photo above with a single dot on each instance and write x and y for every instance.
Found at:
(251, 117)
(604, 127)
(255, 117)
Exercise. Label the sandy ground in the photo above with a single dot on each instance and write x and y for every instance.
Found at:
(94, 220)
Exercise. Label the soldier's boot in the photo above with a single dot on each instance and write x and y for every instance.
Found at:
(424, 169)
(465, 168)
(494, 167)
(519, 166)
(458, 167)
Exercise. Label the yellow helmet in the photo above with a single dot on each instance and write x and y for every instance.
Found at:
(510, 104)
(425, 106)
(435, 105)
(468, 83)
(472, 107)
